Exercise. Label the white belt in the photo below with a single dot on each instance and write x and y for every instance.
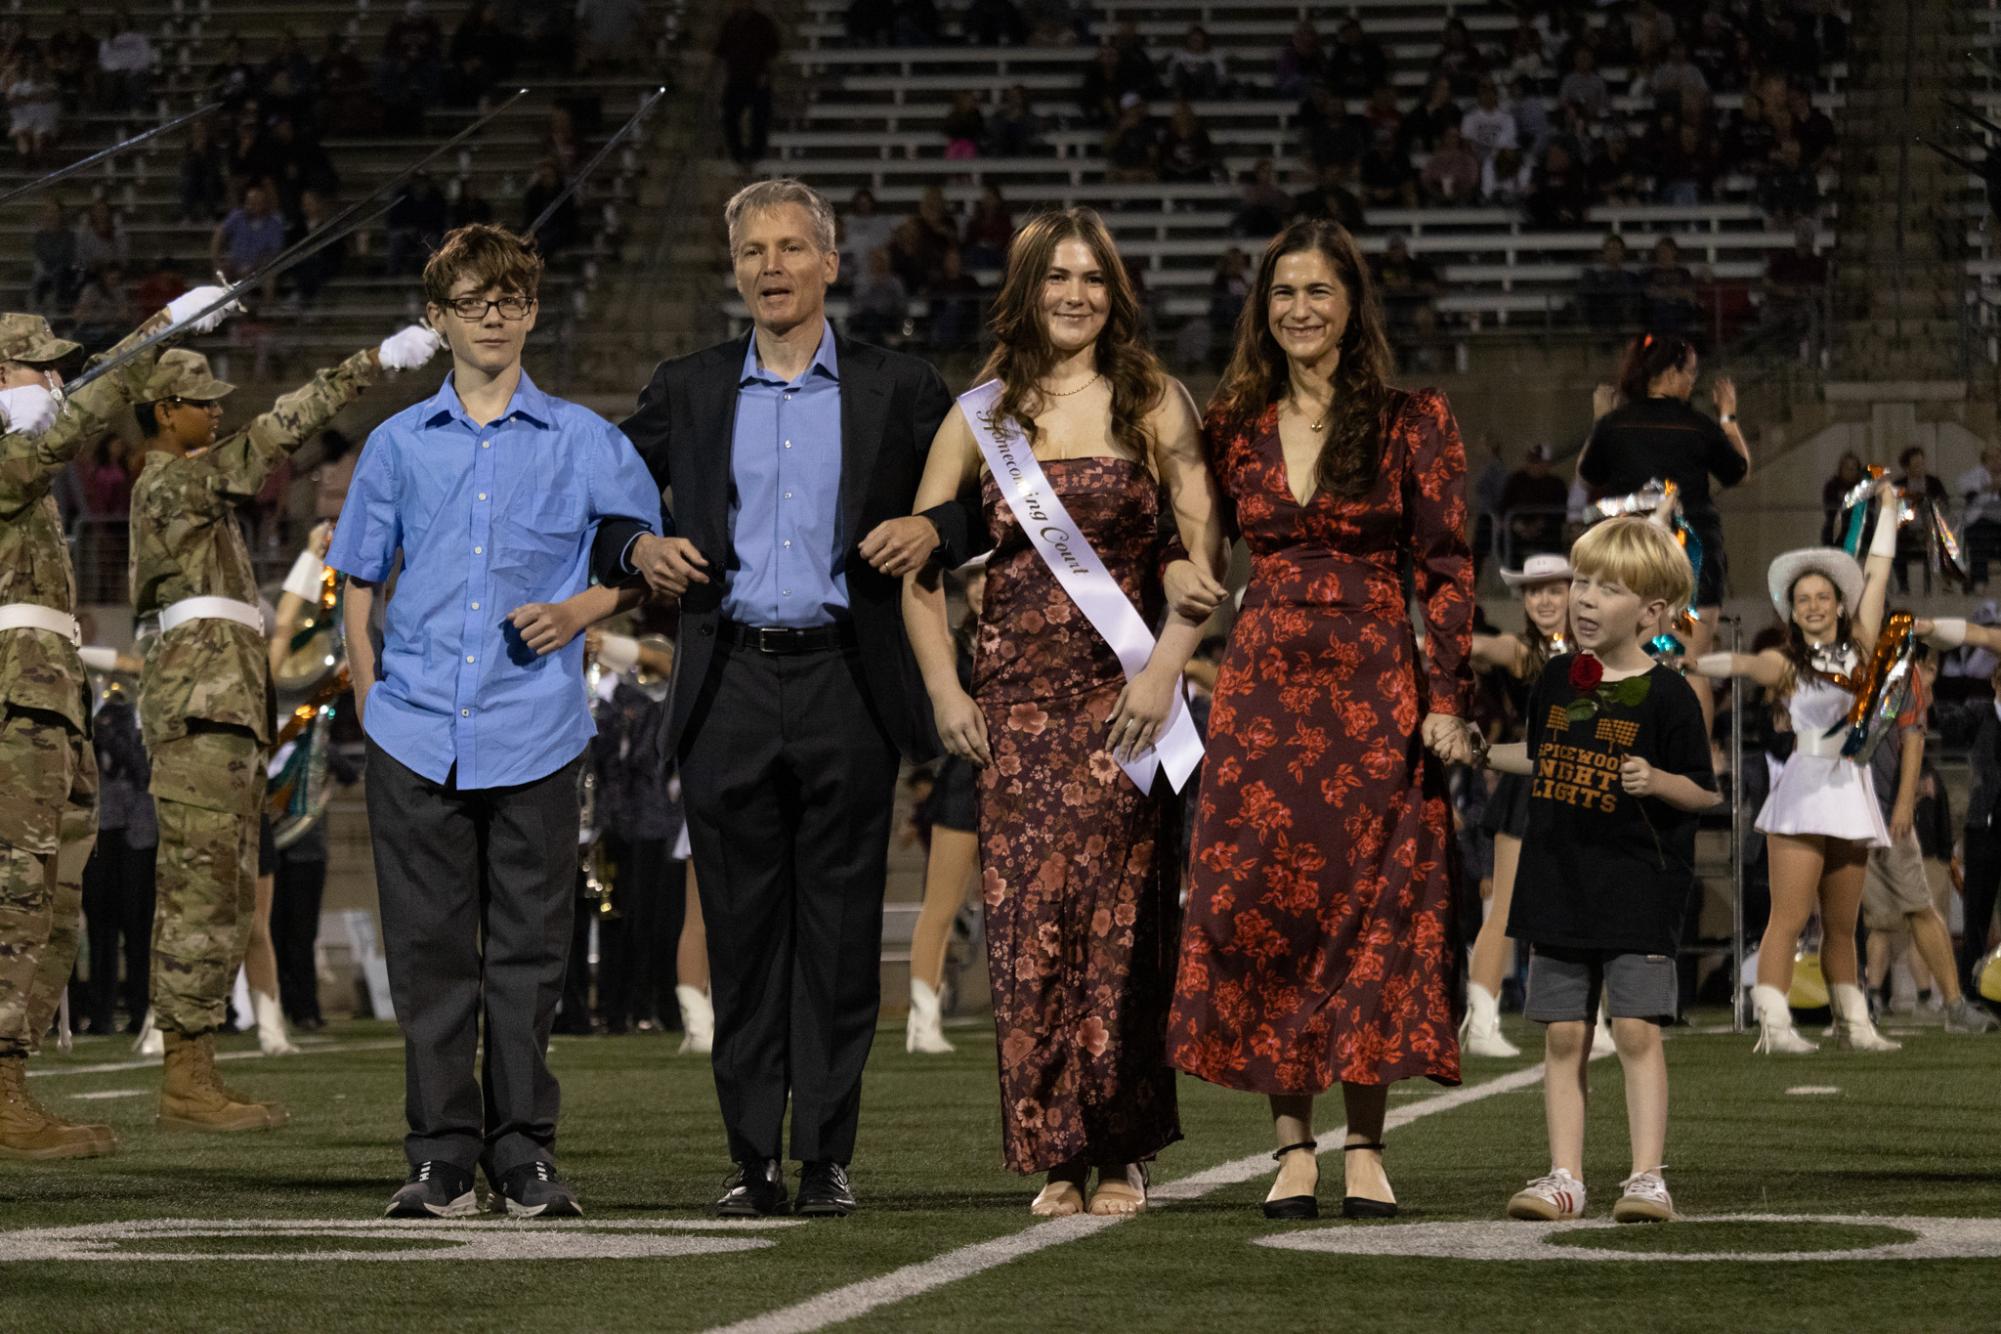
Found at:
(1826, 747)
(211, 609)
(31, 616)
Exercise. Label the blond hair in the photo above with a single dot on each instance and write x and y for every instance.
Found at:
(1640, 555)
(776, 193)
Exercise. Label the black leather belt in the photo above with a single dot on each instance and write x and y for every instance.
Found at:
(780, 639)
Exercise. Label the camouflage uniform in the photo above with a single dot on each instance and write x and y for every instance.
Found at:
(204, 692)
(48, 770)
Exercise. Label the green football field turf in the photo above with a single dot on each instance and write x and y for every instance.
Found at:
(1890, 1151)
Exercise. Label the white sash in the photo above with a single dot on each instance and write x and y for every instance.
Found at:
(1070, 557)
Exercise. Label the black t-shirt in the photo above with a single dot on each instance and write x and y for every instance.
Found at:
(1661, 437)
(1601, 869)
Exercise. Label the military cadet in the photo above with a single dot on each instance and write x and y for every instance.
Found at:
(204, 697)
(48, 772)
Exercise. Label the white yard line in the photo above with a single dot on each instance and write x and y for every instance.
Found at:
(105, 1094)
(858, 1299)
(42, 1069)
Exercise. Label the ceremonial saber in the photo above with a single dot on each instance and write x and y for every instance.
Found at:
(305, 248)
(1970, 113)
(593, 162)
(1737, 1025)
(105, 155)
(1953, 157)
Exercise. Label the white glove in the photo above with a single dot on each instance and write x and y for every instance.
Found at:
(98, 658)
(183, 307)
(408, 350)
(30, 410)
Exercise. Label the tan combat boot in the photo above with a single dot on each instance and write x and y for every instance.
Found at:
(27, 1130)
(192, 1098)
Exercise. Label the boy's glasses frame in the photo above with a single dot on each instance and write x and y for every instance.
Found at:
(472, 309)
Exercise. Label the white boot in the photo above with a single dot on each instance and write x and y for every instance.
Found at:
(1480, 1032)
(271, 1034)
(1602, 1041)
(698, 1020)
(1853, 1030)
(924, 1033)
(1776, 1034)
(149, 1042)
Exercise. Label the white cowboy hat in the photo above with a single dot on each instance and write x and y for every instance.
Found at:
(1836, 565)
(1539, 570)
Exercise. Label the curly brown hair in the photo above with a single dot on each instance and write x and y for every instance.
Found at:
(1023, 354)
(1257, 377)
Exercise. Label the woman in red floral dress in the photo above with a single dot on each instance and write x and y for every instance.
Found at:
(1077, 874)
(1320, 944)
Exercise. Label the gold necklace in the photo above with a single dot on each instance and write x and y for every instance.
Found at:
(1314, 426)
(1041, 388)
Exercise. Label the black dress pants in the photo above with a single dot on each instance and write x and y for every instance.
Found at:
(475, 888)
(788, 781)
(299, 887)
(118, 903)
(1983, 878)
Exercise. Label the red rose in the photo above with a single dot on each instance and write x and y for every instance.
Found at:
(1585, 672)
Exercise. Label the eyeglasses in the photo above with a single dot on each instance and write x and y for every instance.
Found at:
(472, 309)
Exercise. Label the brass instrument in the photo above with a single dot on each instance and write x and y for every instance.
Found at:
(310, 676)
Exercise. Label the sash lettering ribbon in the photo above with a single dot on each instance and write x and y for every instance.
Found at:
(1083, 576)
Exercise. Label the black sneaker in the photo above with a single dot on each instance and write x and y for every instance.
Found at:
(434, 1190)
(533, 1190)
(824, 1191)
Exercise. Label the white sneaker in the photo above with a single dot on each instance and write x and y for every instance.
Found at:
(1556, 1198)
(1643, 1199)
(1480, 1031)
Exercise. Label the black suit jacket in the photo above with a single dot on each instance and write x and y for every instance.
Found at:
(891, 406)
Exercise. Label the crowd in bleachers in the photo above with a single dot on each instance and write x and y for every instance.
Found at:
(259, 172)
(1566, 108)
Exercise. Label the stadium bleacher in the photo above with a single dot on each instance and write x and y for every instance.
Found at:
(872, 117)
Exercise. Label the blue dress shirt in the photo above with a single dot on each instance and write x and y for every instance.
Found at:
(487, 518)
(785, 496)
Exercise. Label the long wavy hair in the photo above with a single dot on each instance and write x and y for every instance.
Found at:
(1257, 377)
(1023, 354)
(1799, 654)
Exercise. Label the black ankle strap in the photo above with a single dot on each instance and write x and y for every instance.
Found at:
(1310, 1145)
(1350, 1148)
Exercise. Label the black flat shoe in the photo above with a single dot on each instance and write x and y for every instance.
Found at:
(824, 1191)
(1293, 1208)
(1357, 1206)
(755, 1189)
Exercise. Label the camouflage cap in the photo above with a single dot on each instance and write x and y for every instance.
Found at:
(26, 338)
(182, 374)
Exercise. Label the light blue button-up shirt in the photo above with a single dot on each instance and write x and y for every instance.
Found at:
(785, 506)
(487, 518)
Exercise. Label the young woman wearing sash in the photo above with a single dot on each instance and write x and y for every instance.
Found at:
(1320, 944)
(1075, 709)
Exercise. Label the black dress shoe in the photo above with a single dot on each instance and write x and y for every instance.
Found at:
(755, 1190)
(1358, 1206)
(824, 1191)
(1293, 1208)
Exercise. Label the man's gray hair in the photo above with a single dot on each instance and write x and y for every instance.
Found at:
(765, 196)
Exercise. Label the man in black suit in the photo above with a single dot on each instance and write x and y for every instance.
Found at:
(794, 689)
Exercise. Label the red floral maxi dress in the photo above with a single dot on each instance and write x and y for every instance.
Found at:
(1080, 898)
(1320, 943)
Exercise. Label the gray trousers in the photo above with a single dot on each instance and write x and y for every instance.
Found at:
(475, 888)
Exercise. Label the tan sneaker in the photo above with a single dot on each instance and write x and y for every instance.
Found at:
(29, 1130)
(193, 1098)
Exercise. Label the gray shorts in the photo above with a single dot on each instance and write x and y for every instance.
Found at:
(1565, 984)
